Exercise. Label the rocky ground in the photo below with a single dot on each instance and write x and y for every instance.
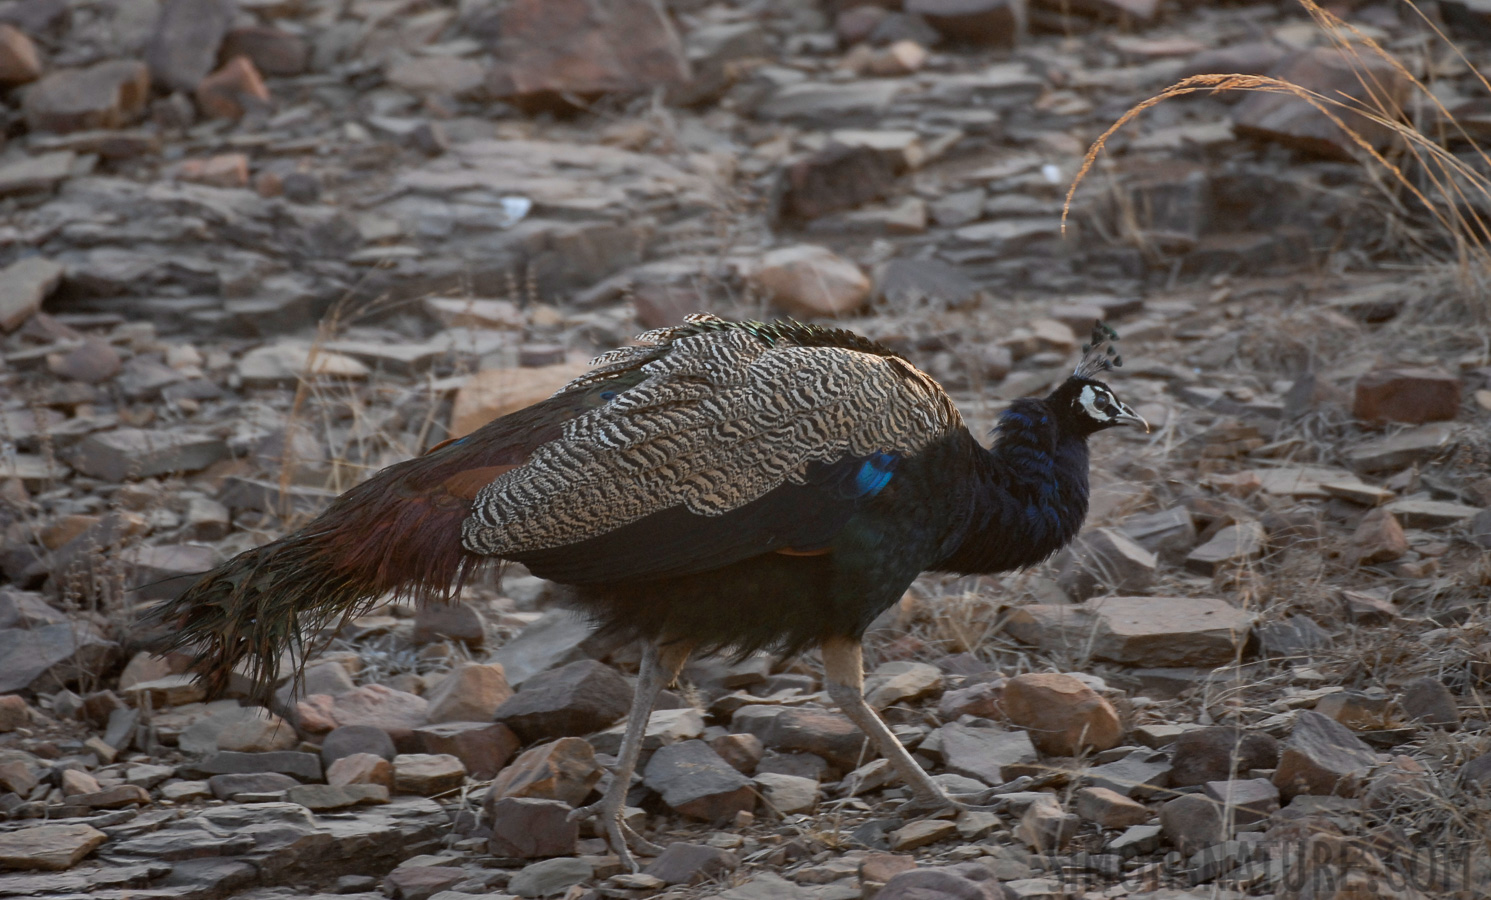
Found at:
(249, 254)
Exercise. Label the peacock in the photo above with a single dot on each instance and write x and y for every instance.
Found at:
(718, 486)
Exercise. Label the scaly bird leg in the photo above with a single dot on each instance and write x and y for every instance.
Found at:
(660, 666)
(843, 668)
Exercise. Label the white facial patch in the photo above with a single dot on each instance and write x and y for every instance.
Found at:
(1098, 403)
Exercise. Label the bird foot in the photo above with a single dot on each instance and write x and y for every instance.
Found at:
(620, 836)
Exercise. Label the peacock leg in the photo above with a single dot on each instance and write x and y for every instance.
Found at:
(844, 669)
(660, 665)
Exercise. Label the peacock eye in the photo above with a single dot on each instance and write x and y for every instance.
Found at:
(608, 395)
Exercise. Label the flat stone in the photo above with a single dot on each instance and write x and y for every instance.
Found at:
(482, 747)
(449, 621)
(1149, 631)
(24, 285)
(303, 766)
(1135, 776)
(909, 284)
(1232, 546)
(529, 828)
(901, 682)
(817, 102)
(664, 727)
(830, 735)
(427, 773)
(1430, 514)
(1110, 809)
(992, 755)
(229, 787)
(137, 453)
(1322, 756)
(579, 698)
(1106, 560)
(51, 847)
(1045, 827)
(550, 877)
(447, 76)
(1136, 840)
(695, 782)
(170, 690)
(1246, 801)
(286, 362)
(1408, 447)
(36, 173)
(836, 178)
(326, 797)
(964, 881)
(686, 863)
(560, 770)
(1327, 71)
(921, 833)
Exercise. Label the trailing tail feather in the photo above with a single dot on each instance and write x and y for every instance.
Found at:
(397, 535)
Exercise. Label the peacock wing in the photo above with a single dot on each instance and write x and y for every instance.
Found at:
(732, 445)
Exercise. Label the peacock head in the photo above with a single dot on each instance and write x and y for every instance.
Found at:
(1086, 405)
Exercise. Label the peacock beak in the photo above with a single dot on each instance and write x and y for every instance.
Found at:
(1127, 416)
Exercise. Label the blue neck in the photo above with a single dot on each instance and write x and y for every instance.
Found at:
(1027, 498)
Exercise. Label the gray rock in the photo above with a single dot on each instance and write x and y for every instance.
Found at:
(46, 658)
(137, 453)
(183, 49)
(695, 782)
(33, 174)
(990, 754)
(577, 699)
(1203, 755)
(685, 863)
(797, 730)
(1170, 535)
(839, 104)
(1428, 700)
(227, 787)
(483, 747)
(552, 641)
(550, 877)
(24, 284)
(1245, 801)
(325, 797)
(1232, 546)
(1431, 513)
(303, 766)
(965, 881)
(1322, 756)
(1135, 776)
(1192, 822)
(1406, 448)
(1105, 559)
(108, 94)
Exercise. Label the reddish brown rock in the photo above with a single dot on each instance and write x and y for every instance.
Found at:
(232, 90)
(984, 699)
(19, 61)
(104, 95)
(229, 170)
(991, 23)
(52, 847)
(1411, 395)
(1333, 73)
(493, 393)
(427, 773)
(14, 713)
(273, 51)
(579, 698)
(93, 361)
(422, 882)
(549, 48)
(1110, 809)
(360, 768)
(483, 747)
(1063, 716)
(685, 863)
(470, 693)
(526, 828)
(561, 770)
